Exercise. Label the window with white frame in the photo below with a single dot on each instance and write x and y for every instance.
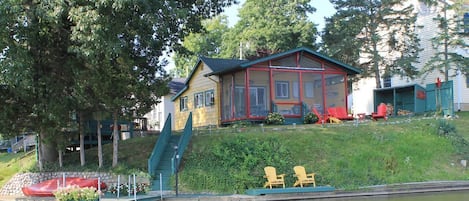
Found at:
(281, 89)
(209, 98)
(183, 104)
(198, 100)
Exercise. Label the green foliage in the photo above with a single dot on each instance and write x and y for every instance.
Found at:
(448, 36)
(12, 163)
(448, 130)
(369, 27)
(207, 43)
(275, 118)
(311, 118)
(270, 26)
(234, 164)
(76, 193)
(140, 188)
(61, 58)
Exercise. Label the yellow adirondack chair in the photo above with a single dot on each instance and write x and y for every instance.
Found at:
(272, 178)
(303, 178)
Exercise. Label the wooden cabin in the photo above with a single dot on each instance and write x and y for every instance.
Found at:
(223, 91)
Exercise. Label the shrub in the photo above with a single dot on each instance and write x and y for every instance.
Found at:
(311, 118)
(275, 118)
(141, 188)
(75, 193)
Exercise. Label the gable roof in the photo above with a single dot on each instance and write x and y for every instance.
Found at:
(221, 66)
(348, 68)
(175, 85)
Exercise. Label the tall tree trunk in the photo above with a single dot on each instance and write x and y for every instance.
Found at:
(100, 147)
(40, 163)
(82, 140)
(376, 64)
(60, 158)
(48, 150)
(115, 140)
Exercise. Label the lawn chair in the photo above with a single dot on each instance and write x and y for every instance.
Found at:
(303, 178)
(333, 116)
(321, 118)
(342, 114)
(381, 113)
(272, 178)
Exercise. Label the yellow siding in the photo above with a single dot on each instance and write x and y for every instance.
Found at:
(205, 115)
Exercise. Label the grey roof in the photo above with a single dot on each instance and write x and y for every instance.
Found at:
(176, 84)
(222, 65)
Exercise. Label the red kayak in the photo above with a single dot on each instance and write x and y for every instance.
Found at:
(46, 188)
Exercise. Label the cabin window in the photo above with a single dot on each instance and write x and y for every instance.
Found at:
(209, 98)
(199, 100)
(281, 89)
(183, 104)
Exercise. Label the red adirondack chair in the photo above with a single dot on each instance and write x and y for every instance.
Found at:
(381, 113)
(321, 118)
(342, 114)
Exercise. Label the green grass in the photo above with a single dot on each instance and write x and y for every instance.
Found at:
(12, 163)
(343, 156)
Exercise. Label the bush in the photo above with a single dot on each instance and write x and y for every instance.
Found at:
(141, 188)
(311, 118)
(275, 118)
(75, 193)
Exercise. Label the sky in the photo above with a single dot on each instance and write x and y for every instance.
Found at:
(323, 9)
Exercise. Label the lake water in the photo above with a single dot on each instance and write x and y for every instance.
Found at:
(441, 196)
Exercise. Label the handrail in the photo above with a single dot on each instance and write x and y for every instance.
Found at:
(183, 142)
(160, 145)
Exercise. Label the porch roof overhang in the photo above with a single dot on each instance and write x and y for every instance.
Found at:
(241, 64)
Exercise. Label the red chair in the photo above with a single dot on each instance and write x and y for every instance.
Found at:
(342, 114)
(321, 118)
(332, 112)
(381, 113)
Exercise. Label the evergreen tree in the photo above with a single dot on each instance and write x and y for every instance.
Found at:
(387, 42)
(449, 37)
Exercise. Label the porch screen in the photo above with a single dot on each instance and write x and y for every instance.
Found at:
(233, 96)
(335, 90)
(312, 91)
(259, 93)
(286, 93)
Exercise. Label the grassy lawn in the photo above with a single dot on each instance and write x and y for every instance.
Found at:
(345, 155)
(12, 163)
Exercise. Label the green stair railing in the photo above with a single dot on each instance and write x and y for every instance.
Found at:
(160, 145)
(183, 142)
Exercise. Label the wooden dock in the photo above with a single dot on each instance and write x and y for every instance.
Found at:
(267, 191)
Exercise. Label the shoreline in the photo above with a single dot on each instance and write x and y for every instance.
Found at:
(379, 190)
(370, 191)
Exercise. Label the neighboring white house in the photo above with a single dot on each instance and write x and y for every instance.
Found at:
(362, 96)
(157, 117)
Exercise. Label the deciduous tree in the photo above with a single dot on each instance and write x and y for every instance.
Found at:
(270, 26)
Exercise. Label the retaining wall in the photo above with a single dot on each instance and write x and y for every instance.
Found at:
(13, 187)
